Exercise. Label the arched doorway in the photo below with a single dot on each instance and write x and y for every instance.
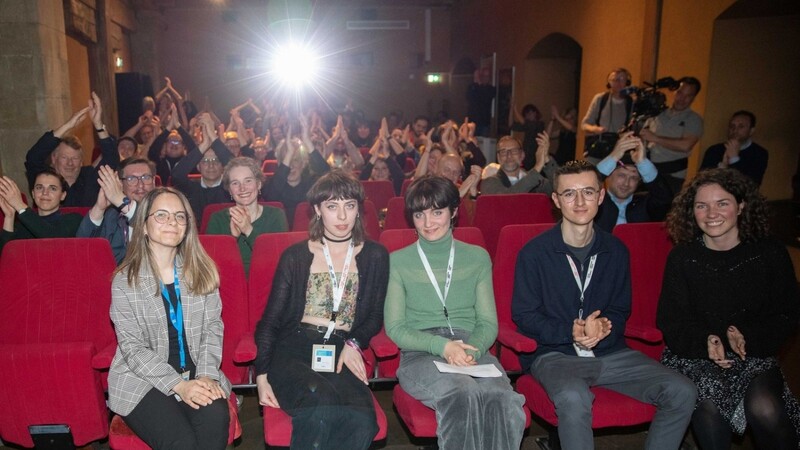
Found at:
(551, 75)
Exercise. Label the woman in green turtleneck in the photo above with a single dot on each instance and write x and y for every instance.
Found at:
(440, 307)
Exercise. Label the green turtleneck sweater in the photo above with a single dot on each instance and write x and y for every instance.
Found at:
(412, 304)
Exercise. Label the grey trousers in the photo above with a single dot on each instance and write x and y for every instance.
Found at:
(471, 413)
(567, 378)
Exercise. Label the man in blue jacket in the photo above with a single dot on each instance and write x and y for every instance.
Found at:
(572, 294)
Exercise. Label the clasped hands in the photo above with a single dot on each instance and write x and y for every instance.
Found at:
(588, 332)
(716, 351)
(199, 392)
(455, 353)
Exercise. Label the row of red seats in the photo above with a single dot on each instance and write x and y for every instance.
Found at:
(40, 307)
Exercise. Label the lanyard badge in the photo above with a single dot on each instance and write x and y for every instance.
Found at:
(447, 280)
(337, 286)
(580, 351)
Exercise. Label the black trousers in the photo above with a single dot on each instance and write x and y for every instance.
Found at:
(165, 423)
(329, 410)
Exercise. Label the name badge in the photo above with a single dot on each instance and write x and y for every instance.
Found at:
(323, 358)
(185, 375)
(583, 353)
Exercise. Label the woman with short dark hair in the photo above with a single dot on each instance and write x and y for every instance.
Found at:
(440, 308)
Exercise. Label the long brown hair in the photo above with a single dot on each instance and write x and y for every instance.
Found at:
(199, 271)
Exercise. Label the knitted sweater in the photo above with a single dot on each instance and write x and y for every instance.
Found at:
(272, 220)
(412, 304)
(751, 286)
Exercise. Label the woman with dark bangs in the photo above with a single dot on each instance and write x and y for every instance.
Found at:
(728, 303)
(440, 308)
(326, 304)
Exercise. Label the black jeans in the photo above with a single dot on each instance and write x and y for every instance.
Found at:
(329, 410)
(165, 423)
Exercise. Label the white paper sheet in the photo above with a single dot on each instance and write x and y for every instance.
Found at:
(478, 371)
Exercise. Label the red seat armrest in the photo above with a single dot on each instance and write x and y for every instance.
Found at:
(644, 333)
(245, 351)
(382, 346)
(102, 359)
(515, 340)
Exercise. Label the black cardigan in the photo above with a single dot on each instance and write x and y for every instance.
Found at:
(287, 300)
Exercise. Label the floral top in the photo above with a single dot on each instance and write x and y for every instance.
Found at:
(319, 298)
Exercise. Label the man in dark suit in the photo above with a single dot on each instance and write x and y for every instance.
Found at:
(739, 151)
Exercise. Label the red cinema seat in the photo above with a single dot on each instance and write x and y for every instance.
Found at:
(82, 210)
(649, 245)
(493, 212)
(396, 215)
(379, 192)
(224, 250)
(303, 212)
(269, 165)
(56, 337)
(211, 208)
(406, 183)
(120, 437)
(509, 342)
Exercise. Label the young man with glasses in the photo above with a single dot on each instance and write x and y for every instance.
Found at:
(572, 293)
(210, 157)
(116, 203)
(512, 178)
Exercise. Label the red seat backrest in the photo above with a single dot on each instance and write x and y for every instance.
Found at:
(266, 254)
(269, 165)
(396, 215)
(82, 210)
(379, 192)
(224, 250)
(649, 246)
(493, 212)
(406, 183)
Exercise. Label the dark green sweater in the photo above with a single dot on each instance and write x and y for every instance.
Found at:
(30, 225)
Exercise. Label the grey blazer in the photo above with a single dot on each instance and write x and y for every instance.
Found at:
(140, 321)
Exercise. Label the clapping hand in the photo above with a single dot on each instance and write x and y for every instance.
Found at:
(736, 341)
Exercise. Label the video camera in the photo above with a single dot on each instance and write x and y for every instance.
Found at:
(649, 101)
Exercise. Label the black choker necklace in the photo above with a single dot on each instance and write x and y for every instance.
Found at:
(337, 241)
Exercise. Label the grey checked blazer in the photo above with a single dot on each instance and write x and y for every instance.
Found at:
(140, 321)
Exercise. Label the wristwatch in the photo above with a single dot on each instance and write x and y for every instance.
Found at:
(125, 202)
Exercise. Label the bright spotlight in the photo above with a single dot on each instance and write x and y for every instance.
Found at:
(294, 65)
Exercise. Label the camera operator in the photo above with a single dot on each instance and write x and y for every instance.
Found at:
(672, 134)
(608, 113)
(625, 168)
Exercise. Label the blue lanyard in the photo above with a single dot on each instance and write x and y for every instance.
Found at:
(176, 317)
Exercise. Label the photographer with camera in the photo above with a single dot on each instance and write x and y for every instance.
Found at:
(608, 114)
(672, 134)
(625, 168)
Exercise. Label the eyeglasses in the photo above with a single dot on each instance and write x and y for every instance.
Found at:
(162, 216)
(509, 152)
(133, 180)
(588, 194)
(210, 161)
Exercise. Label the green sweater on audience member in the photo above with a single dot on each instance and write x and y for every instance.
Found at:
(412, 304)
(272, 220)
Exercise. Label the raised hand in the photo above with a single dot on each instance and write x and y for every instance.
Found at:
(71, 123)
(96, 111)
(110, 185)
(10, 193)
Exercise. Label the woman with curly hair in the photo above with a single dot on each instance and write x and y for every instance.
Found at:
(728, 303)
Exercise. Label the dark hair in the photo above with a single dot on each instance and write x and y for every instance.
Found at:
(747, 114)
(336, 185)
(691, 81)
(530, 107)
(50, 171)
(425, 118)
(431, 191)
(752, 223)
(575, 167)
(131, 161)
